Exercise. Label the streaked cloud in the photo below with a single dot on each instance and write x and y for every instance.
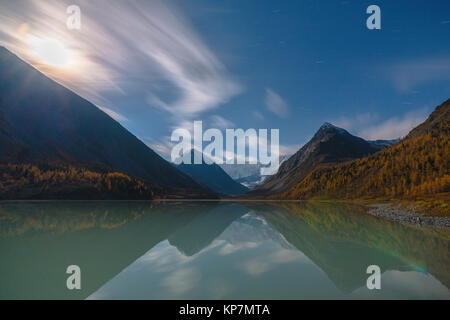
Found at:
(370, 127)
(406, 76)
(230, 248)
(258, 115)
(144, 48)
(276, 104)
(113, 114)
(181, 281)
(220, 122)
(288, 150)
(259, 265)
(161, 145)
(357, 122)
(396, 127)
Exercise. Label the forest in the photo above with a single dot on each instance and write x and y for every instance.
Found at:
(415, 168)
(65, 181)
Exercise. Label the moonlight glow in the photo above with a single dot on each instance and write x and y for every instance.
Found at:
(52, 52)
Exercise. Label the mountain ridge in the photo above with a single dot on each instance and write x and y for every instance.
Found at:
(414, 168)
(43, 121)
(213, 176)
(329, 145)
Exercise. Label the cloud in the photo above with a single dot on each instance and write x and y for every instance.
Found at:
(116, 116)
(409, 75)
(162, 146)
(24, 23)
(276, 104)
(288, 150)
(221, 123)
(396, 127)
(142, 47)
(230, 248)
(368, 126)
(181, 281)
(162, 149)
(260, 265)
(258, 115)
(357, 122)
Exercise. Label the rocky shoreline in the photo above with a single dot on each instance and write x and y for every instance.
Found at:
(407, 215)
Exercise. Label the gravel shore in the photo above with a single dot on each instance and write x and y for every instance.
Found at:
(407, 215)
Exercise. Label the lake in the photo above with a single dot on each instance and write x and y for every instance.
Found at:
(215, 250)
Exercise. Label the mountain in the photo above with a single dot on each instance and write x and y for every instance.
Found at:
(383, 143)
(249, 174)
(213, 176)
(414, 168)
(252, 181)
(210, 222)
(341, 240)
(436, 123)
(238, 171)
(330, 145)
(100, 228)
(43, 122)
(252, 228)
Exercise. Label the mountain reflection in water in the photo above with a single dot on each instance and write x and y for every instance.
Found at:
(215, 250)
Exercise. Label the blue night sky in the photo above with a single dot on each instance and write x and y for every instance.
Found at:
(291, 65)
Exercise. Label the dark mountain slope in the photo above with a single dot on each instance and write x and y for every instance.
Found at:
(438, 120)
(330, 145)
(214, 177)
(201, 232)
(42, 121)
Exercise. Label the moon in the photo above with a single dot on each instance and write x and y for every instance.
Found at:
(52, 52)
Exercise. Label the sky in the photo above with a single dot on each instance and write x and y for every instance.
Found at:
(155, 66)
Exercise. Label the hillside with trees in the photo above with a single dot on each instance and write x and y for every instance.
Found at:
(414, 168)
(43, 122)
(33, 181)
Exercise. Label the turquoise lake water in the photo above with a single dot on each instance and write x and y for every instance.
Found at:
(215, 250)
